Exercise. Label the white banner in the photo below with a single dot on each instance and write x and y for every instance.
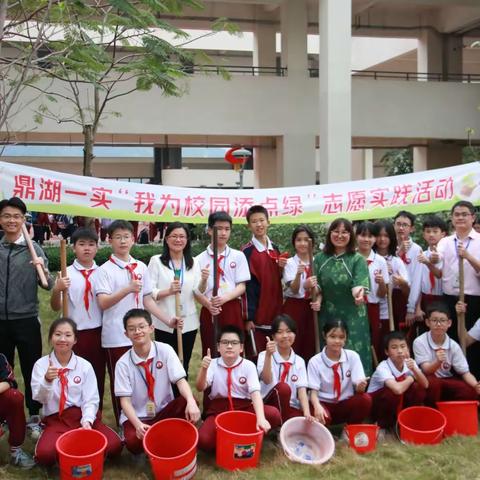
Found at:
(421, 192)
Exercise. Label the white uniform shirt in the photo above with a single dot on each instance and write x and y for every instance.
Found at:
(424, 349)
(244, 379)
(130, 378)
(82, 389)
(297, 375)
(85, 319)
(474, 332)
(426, 282)
(320, 375)
(233, 264)
(398, 268)
(161, 277)
(414, 274)
(289, 274)
(111, 278)
(386, 370)
(376, 264)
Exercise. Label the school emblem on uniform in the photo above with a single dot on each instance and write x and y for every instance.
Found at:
(77, 379)
(446, 366)
(139, 276)
(348, 374)
(242, 380)
(159, 364)
(233, 264)
(293, 378)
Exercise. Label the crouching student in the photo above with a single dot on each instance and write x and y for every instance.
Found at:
(283, 374)
(67, 387)
(13, 414)
(397, 382)
(143, 381)
(337, 380)
(234, 385)
(442, 360)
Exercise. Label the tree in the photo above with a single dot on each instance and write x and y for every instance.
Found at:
(398, 162)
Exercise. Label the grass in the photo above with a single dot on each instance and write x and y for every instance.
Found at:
(455, 458)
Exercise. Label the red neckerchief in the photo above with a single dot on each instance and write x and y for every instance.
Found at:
(308, 273)
(337, 383)
(62, 378)
(131, 268)
(88, 287)
(149, 378)
(220, 272)
(285, 369)
(431, 276)
(403, 256)
(229, 383)
(400, 378)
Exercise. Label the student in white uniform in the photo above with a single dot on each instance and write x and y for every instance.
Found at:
(66, 386)
(143, 382)
(233, 385)
(83, 308)
(337, 380)
(283, 374)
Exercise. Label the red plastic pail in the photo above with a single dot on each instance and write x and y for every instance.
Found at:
(421, 425)
(462, 417)
(362, 436)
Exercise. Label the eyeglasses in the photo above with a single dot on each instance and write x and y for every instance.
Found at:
(402, 225)
(139, 328)
(439, 321)
(226, 343)
(343, 233)
(177, 237)
(8, 216)
(461, 214)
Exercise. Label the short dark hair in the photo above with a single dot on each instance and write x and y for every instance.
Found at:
(333, 324)
(14, 202)
(287, 320)
(463, 203)
(231, 329)
(437, 306)
(119, 225)
(434, 221)
(404, 213)
(60, 321)
(329, 248)
(256, 209)
(393, 336)
(136, 313)
(387, 225)
(300, 229)
(220, 216)
(83, 233)
(366, 227)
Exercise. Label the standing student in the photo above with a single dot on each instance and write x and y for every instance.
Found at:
(397, 383)
(264, 293)
(83, 308)
(283, 374)
(66, 386)
(434, 229)
(366, 234)
(442, 360)
(232, 273)
(408, 251)
(176, 272)
(13, 414)
(299, 282)
(19, 322)
(337, 380)
(386, 246)
(143, 381)
(234, 385)
(123, 283)
(343, 280)
(464, 243)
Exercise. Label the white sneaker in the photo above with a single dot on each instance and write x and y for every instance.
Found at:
(34, 428)
(22, 459)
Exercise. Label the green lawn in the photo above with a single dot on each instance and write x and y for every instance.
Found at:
(455, 458)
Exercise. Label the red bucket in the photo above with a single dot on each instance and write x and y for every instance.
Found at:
(239, 443)
(81, 453)
(362, 436)
(171, 446)
(462, 417)
(421, 425)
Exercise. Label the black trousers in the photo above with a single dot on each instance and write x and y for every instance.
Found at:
(188, 341)
(472, 315)
(26, 337)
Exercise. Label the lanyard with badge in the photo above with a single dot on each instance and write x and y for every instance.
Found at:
(149, 381)
(456, 283)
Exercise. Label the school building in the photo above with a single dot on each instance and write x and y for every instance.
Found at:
(319, 89)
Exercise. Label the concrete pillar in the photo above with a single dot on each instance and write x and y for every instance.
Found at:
(436, 156)
(266, 169)
(335, 90)
(294, 37)
(420, 157)
(264, 46)
(367, 163)
(296, 153)
(165, 158)
(453, 55)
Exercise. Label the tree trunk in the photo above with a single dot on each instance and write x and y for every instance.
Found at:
(87, 150)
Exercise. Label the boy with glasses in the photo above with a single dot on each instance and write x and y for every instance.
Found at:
(442, 361)
(143, 382)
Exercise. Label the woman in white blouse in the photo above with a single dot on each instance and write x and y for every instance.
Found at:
(174, 271)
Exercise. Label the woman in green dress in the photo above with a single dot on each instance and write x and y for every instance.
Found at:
(343, 282)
